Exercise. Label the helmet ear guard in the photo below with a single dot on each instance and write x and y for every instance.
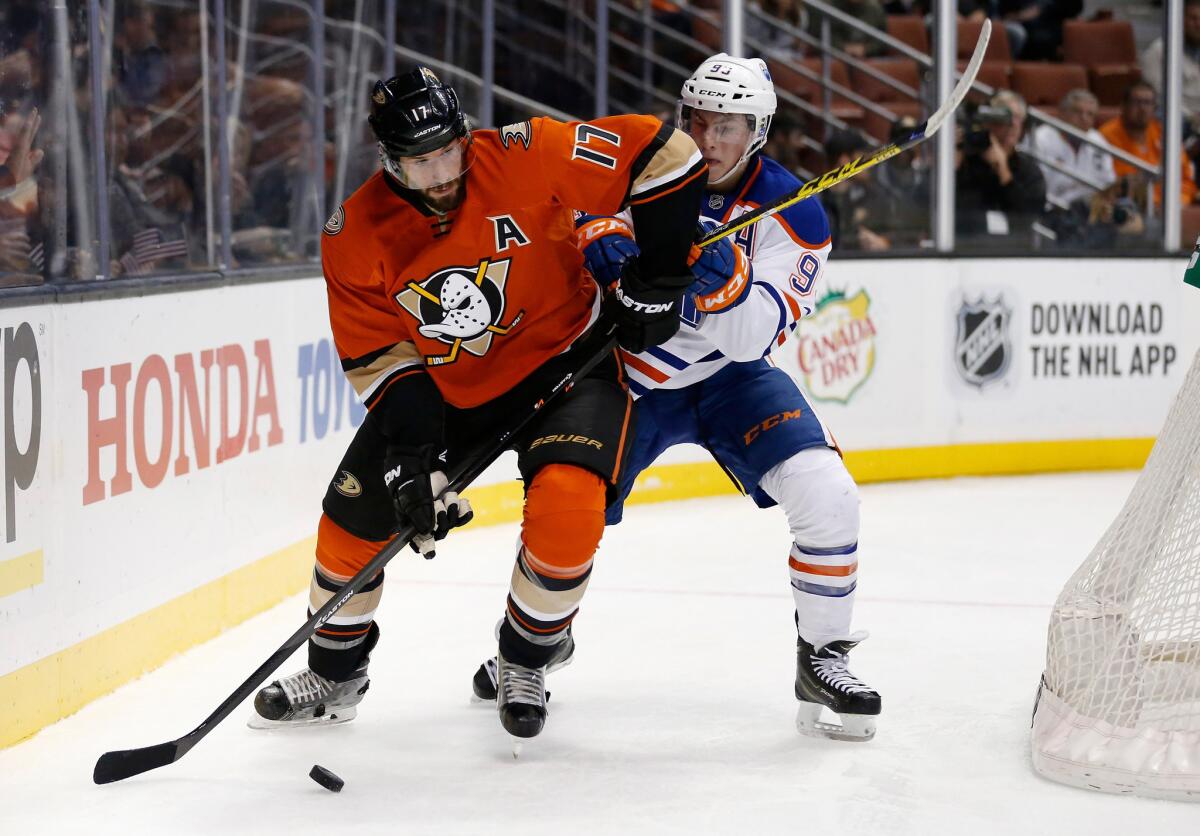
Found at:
(724, 84)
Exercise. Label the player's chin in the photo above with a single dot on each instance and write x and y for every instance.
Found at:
(716, 171)
(444, 197)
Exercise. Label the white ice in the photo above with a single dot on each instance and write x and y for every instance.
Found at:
(677, 716)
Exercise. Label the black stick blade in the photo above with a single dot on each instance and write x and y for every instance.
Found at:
(117, 766)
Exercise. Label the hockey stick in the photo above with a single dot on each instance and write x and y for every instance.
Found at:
(116, 766)
(831, 178)
(125, 763)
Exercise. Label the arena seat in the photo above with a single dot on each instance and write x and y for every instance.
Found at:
(904, 70)
(911, 30)
(1044, 85)
(1108, 50)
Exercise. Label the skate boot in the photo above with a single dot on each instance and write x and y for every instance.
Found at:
(823, 680)
(309, 699)
(521, 700)
(483, 684)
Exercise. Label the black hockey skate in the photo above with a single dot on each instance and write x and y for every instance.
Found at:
(520, 699)
(823, 680)
(483, 684)
(309, 699)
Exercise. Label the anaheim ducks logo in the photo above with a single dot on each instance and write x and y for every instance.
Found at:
(460, 306)
(520, 132)
(336, 222)
(347, 485)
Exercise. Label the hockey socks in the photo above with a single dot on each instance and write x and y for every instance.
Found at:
(563, 523)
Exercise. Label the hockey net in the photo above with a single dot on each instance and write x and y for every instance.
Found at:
(1119, 705)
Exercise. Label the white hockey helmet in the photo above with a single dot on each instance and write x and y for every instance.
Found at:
(724, 84)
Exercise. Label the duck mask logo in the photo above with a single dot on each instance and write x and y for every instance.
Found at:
(460, 306)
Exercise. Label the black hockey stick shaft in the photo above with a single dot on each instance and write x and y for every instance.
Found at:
(831, 178)
(116, 766)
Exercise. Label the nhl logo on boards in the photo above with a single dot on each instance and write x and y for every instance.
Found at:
(460, 306)
(982, 348)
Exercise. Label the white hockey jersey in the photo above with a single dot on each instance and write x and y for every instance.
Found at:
(788, 252)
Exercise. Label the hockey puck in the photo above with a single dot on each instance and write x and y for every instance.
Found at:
(326, 778)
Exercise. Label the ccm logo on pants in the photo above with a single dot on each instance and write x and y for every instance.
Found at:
(770, 424)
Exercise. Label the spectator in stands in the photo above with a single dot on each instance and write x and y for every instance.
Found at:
(1078, 108)
(1000, 191)
(1042, 22)
(859, 209)
(785, 143)
(1152, 70)
(149, 198)
(139, 64)
(976, 11)
(1087, 212)
(1137, 132)
(846, 37)
(20, 254)
(773, 40)
(906, 179)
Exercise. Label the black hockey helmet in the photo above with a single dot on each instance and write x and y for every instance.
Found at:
(415, 113)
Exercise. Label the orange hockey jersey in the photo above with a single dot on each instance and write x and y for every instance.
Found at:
(484, 295)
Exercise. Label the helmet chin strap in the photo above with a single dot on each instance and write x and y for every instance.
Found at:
(737, 169)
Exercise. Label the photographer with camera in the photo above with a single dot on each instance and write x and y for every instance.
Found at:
(1000, 191)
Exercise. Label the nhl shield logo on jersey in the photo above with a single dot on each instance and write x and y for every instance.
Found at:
(837, 346)
(460, 306)
(517, 132)
(982, 349)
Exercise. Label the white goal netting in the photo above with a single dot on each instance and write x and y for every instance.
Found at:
(1119, 706)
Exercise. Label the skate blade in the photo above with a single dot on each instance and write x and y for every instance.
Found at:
(332, 718)
(518, 745)
(854, 728)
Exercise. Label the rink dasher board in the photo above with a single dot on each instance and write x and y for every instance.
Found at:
(165, 456)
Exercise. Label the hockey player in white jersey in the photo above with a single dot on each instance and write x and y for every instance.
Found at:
(713, 384)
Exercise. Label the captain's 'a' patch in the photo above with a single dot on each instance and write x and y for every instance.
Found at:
(517, 132)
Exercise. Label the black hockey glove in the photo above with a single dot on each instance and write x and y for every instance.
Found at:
(645, 315)
(417, 484)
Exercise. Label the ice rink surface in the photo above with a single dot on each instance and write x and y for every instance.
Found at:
(677, 716)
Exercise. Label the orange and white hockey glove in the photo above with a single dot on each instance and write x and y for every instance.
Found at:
(723, 275)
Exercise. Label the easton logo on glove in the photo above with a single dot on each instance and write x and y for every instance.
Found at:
(642, 307)
(392, 475)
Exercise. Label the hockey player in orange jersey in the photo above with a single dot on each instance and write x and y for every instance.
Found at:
(455, 291)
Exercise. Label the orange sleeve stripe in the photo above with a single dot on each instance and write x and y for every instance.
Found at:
(793, 306)
(645, 368)
(621, 444)
(827, 571)
(792, 234)
(674, 188)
